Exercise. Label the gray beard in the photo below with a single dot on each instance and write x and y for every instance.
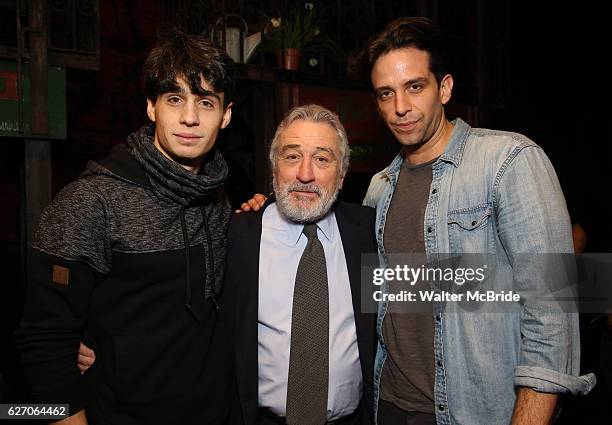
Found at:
(303, 212)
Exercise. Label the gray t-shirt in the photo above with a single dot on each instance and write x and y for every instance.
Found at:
(408, 373)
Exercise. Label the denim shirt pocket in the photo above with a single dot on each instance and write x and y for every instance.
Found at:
(469, 229)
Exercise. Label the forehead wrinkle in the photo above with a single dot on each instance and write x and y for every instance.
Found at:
(290, 146)
(300, 147)
(303, 139)
(311, 135)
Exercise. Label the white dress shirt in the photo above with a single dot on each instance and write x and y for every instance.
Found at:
(282, 244)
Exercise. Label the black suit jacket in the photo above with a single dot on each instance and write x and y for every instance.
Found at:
(241, 290)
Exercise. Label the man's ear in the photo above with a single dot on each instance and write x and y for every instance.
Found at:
(341, 182)
(446, 88)
(227, 115)
(151, 110)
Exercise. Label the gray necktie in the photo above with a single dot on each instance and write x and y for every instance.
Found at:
(309, 356)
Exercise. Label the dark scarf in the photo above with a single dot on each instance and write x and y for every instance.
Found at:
(168, 178)
(173, 182)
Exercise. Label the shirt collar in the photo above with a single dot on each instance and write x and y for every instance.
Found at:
(294, 230)
(453, 152)
(456, 145)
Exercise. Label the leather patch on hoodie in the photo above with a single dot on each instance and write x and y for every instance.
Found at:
(61, 275)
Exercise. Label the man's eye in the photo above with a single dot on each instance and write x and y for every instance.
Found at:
(291, 157)
(416, 87)
(323, 161)
(174, 100)
(207, 104)
(385, 94)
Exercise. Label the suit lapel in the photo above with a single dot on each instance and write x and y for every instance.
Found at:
(357, 235)
(352, 235)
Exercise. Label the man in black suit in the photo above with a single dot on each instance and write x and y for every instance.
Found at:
(303, 351)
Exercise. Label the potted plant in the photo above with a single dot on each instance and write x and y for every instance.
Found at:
(295, 32)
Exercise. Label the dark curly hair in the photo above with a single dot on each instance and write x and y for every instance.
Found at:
(190, 57)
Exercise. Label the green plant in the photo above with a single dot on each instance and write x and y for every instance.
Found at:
(297, 26)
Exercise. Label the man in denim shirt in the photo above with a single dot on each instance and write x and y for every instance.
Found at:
(464, 190)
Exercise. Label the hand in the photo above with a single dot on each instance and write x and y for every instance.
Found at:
(86, 358)
(254, 204)
(579, 238)
(78, 418)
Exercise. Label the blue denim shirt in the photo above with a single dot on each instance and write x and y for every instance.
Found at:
(492, 192)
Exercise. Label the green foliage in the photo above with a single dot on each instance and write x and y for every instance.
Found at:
(297, 27)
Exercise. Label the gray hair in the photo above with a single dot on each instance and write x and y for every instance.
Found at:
(314, 113)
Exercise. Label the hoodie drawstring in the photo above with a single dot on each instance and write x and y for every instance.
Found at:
(210, 268)
(188, 305)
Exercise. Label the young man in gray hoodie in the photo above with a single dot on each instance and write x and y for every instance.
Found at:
(132, 253)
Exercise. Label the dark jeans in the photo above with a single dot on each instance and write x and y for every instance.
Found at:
(389, 414)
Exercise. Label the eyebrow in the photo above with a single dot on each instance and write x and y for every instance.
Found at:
(416, 80)
(407, 83)
(331, 152)
(208, 93)
(201, 92)
(318, 148)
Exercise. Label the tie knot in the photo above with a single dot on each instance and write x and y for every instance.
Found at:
(310, 230)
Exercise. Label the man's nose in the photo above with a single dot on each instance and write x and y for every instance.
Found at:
(403, 104)
(305, 172)
(189, 115)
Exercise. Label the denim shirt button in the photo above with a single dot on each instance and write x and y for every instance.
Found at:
(441, 407)
(429, 229)
(434, 191)
(439, 363)
(438, 318)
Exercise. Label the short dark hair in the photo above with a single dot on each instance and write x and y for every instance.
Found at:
(191, 57)
(418, 32)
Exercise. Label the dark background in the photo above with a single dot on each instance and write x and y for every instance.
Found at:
(537, 68)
